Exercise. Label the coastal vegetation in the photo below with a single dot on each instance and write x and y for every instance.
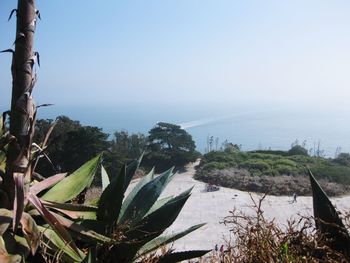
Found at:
(71, 144)
(275, 172)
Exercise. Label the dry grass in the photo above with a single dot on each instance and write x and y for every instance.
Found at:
(257, 239)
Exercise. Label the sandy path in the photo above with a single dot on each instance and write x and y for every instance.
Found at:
(212, 207)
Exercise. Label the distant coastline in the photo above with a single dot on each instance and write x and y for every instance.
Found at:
(252, 128)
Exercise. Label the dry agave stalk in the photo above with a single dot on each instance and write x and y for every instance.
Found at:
(258, 239)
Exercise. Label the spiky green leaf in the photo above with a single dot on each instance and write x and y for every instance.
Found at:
(54, 242)
(130, 171)
(81, 232)
(53, 222)
(73, 185)
(37, 187)
(74, 211)
(135, 190)
(328, 220)
(111, 200)
(156, 243)
(159, 203)
(145, 198)
(150, 227)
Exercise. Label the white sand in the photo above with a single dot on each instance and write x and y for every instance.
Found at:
(212, 207)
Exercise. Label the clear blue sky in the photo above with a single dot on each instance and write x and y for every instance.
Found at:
(109, 52)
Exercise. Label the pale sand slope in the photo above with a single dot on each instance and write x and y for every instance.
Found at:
(212, 207)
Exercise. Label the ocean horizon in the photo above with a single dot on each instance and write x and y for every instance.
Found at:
(251, 128)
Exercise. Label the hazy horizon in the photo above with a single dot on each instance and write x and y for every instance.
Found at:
(193, 61)
(107, 52)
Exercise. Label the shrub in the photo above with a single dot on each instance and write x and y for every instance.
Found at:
(285, 169)
(254, 164)
(215, 166)
(285, 162)
(298, 150)
(343, 159)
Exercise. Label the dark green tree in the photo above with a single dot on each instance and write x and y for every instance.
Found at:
(70, 145)
(298, 150)
(124, 147)
(169, 145)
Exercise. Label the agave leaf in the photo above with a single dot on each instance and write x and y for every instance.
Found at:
(47, 183)
(150, 227)
(164, 240)
(56, 243)
(145, 198)
(74, 211)
(111, 200)
(159, 203)
(328, 220)
(18, 205)
(105, 178)
(135, 190)
(54, 223)
(30, 231)
(161, 218)
(73, 185)
(6, 217)
(181, 256)
(130, 171)
(83, 233)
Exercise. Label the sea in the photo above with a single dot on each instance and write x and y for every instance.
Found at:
(250, 126)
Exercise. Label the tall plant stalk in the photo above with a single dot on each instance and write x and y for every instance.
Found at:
(23, 110)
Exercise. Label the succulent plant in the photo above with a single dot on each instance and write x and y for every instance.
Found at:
(118, 229)
(328, 221)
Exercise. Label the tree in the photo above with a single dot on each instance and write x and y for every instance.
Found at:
(298, 150)
(124, 147)
(169, 145)
(70, 144)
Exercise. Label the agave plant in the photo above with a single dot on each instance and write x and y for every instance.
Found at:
(328, 221)
(113, 231)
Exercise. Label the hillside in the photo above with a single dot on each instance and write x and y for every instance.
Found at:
(274, 172)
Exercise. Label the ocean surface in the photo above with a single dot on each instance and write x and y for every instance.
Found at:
(251, 127)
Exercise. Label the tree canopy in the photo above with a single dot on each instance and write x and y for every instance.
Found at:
(169, 145)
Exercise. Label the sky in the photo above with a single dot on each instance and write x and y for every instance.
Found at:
(109, 52)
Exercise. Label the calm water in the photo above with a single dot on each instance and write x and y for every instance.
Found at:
(253, 128)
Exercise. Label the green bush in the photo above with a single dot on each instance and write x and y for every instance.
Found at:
(285, 162)
(215, 166)
(254, 164)
(221, 157)
(285, 169)
(343, 159)
(334, 173)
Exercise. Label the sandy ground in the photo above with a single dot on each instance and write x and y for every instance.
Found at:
(212, 207)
